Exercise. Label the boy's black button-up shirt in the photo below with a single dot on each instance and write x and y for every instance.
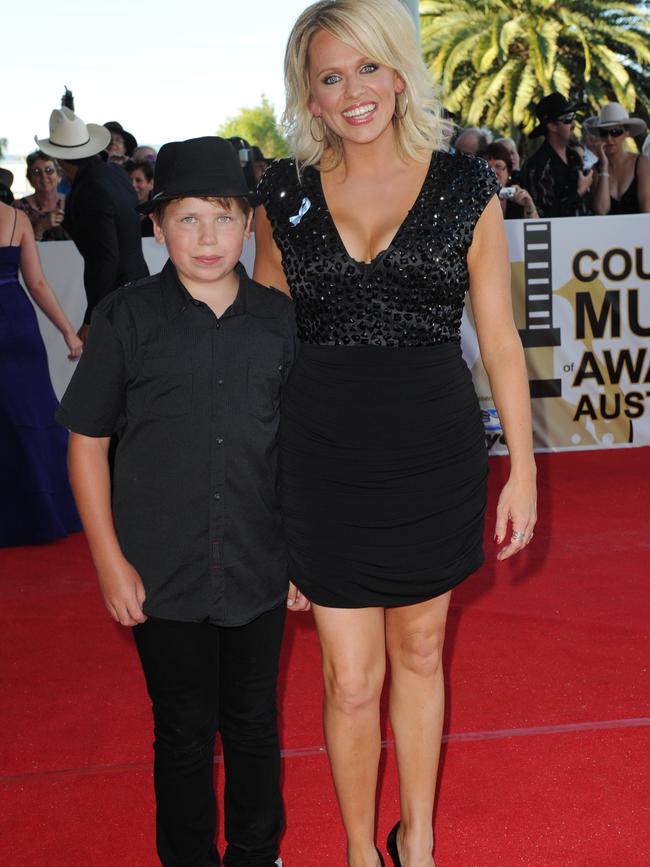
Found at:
(194, 401)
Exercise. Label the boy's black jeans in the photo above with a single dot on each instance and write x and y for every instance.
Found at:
(202, 678)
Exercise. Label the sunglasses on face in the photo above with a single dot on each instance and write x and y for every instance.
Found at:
(613, 131)
(566, 118)
(48, 170)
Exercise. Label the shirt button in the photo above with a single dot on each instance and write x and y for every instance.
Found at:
(220, 382)
(196, 303)
(217, 325)
(219, 440)
(217, 496)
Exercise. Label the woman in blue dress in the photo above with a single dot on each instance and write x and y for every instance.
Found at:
(36, 503)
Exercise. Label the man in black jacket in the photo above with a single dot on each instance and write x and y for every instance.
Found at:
(100, 214)
(553, 175)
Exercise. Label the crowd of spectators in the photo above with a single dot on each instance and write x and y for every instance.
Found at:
(45, 207)
(606, 170)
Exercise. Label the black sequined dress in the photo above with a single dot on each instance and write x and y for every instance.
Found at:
(383, 459)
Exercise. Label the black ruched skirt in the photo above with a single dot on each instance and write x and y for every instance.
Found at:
(383, 473)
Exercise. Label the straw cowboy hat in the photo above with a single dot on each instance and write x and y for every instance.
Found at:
(71, 138)
(613, 114)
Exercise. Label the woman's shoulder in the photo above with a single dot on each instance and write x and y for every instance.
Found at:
(281, 189)
(464, 172)
(279, 177)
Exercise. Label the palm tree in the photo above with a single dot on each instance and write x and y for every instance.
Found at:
(492, 58)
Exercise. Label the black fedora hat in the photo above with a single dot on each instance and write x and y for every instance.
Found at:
(130, 141)
(552, 106)
(199, 167)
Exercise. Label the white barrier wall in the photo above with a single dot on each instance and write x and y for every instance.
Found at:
(581, 299)
(63, 267)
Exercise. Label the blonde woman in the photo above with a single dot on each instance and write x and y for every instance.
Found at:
(622, 184)
(377, 232)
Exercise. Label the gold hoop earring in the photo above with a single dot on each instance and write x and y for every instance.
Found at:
(311, 131)
(397, 114)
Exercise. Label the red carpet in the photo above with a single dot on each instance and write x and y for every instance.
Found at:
(548, 727)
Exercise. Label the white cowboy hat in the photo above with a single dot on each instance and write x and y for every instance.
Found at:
(71, 138)
(613, 114)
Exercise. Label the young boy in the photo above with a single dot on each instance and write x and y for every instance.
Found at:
(185, 368)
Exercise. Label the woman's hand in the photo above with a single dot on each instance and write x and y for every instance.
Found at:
(74, 343)
(523, 198)
(517, 504)
(296, 601)
(48, 221)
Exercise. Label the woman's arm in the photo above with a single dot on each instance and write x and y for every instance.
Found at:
(39, 288)
(120, 584)
(643, 184)
(524, 199)
(503, 359)
(268, 259)
(601, 199)
(268, 271)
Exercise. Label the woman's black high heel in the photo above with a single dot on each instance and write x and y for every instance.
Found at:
(391, 846)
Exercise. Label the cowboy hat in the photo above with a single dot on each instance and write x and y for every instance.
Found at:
(71, 138)
(199, 168)
(613, 114)
(551, 107)
(130, 142)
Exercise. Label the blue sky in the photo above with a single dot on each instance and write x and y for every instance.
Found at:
(164, 69)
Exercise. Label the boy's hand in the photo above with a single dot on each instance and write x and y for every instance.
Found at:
(296, 601)
(123, 593)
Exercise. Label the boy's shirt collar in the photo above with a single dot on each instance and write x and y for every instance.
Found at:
(251, 297)
(178, 299)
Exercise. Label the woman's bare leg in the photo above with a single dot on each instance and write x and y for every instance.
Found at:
(353, 648)
(414, 638)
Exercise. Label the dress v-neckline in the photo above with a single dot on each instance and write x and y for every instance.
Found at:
(365, 266)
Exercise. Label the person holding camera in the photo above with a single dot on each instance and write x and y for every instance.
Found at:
(45, 206)
(516, 202)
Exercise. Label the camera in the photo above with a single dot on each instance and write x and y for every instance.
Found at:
(507, 192)
(589, 160)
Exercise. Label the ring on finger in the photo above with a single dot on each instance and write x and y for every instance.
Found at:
(518, 536)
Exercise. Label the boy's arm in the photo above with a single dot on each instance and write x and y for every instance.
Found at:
(120, 584)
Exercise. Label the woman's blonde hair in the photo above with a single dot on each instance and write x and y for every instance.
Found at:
(383, 31)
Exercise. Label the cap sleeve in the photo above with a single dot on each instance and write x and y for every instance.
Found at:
(480, 184)
(279, 191)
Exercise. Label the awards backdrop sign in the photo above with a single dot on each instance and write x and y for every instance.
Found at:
(581, 299)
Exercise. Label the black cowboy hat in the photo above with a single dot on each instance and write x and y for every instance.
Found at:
(199, 167)
(550, 108)
(130, 142)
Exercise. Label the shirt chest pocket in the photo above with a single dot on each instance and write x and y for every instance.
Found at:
(263, 387)
(163, 390)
